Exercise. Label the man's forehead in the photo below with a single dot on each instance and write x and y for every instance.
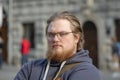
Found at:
(59, 25)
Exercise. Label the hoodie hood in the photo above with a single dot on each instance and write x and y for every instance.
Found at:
(81, 56)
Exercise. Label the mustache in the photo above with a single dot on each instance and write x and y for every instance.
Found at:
(56, 44)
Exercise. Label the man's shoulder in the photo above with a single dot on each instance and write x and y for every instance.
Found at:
(89, 67)
(86, 71)
(38, 62)
(35, 63)
(86, 66)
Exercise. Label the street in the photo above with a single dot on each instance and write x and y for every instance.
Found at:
(108, 75)
(8, 72)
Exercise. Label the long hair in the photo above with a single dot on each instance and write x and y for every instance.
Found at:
(75, 25)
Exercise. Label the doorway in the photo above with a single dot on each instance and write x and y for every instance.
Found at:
(4, 35)
(117, 28)
(90, 36)
(29, 33)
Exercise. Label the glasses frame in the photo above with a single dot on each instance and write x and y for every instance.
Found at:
(51, 35)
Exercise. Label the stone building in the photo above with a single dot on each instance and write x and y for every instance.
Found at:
(100, 20)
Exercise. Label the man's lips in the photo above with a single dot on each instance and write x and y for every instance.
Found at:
(56, 46)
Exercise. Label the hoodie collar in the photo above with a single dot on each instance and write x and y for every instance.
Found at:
(80, 56)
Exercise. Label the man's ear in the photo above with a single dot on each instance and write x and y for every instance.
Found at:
(77, 37)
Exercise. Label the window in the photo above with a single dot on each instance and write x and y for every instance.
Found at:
(29, 32)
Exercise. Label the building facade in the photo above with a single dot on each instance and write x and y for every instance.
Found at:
(100, 20)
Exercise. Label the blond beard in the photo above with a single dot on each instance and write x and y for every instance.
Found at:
(59, 56)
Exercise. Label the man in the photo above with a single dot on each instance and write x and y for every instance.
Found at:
(66, 59)
(1, 50)
(25, 48)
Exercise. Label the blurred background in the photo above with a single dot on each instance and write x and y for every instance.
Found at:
(100, 20)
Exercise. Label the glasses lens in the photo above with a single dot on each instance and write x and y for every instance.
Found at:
(59, 34)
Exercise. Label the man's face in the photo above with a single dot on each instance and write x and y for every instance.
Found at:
(61, 40)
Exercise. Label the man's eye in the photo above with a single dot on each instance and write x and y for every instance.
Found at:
(62, 34)
(51, 34)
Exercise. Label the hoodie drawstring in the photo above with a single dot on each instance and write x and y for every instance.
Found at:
(46, 71)
(47, 68)
(61, 66)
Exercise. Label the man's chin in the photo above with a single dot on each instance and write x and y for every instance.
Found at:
(57, 50)
(55, 54)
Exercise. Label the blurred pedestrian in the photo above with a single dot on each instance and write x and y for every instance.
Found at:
(66, 58)
(115, 54)
(1, 50)
(25, 48)
(118, 45)
(115, 57)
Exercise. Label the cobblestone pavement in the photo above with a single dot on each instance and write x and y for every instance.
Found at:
(8, 72)
(108, 75)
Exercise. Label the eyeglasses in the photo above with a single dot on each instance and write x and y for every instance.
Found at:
(59, 34)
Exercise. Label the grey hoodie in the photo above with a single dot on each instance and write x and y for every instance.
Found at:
(41, 70)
